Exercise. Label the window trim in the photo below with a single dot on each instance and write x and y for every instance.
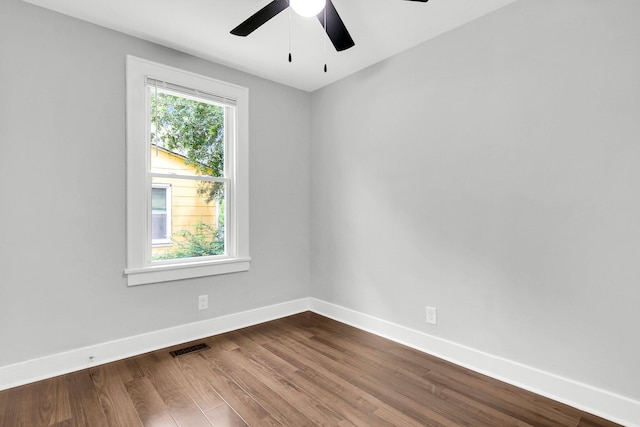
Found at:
(140, 270)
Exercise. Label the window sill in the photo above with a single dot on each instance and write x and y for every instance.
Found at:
(166, 244)
(188, 270)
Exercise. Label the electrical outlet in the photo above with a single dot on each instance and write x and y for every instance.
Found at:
(432, 316)
(203, 302)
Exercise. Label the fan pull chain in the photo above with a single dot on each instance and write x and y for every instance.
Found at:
(290, 31)
(325, 39)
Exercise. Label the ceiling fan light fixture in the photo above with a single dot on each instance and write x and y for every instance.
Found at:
(307, 8)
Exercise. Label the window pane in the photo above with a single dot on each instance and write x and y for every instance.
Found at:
(187, 135)
(197, 220)
(159, 199)
(159, 226)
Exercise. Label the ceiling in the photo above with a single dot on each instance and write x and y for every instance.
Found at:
(380, 29)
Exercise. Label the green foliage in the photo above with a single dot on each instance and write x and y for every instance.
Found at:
(203, 241)
(196, 131)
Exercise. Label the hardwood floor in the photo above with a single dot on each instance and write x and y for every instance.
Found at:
(302, 370)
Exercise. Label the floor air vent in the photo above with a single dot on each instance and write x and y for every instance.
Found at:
(189, 350)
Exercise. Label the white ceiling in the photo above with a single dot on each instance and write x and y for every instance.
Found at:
(380, 29)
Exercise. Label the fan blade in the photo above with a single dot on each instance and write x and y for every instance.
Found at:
(260, 17)
(423, 1)
(335, 28)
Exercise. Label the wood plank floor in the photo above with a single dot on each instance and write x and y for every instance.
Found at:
(303, 370)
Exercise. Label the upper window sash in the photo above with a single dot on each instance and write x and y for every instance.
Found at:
(190, 93)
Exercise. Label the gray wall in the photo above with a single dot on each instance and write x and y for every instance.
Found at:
(493, 173)
(62, 187)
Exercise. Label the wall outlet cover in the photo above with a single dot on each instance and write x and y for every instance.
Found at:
(432, 316)
(203, 302)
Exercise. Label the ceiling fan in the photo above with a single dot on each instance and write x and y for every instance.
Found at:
(330, 20)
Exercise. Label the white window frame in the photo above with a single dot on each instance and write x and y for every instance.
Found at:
(140, 268)
(167, 196)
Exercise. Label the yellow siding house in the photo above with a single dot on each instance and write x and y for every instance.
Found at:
(176, 204)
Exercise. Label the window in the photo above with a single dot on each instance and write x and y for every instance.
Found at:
(160, 214)
(187, 175)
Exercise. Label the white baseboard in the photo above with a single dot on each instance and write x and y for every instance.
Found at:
(608, 405)
(75, 360)
(590, 399)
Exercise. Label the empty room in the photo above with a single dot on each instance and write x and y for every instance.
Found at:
(370, 213)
